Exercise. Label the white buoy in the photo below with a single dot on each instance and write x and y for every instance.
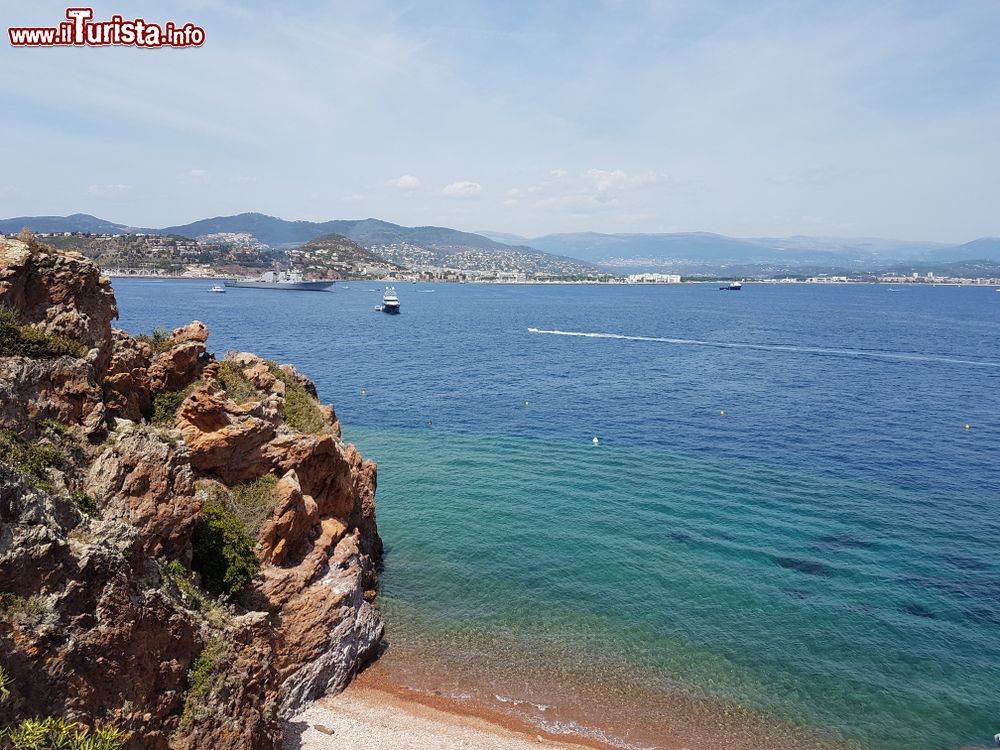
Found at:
(595, 441)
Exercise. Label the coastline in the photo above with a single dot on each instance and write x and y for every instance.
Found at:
(372, 714)
(434, 704)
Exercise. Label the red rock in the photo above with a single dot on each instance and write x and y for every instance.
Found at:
(120, 636)
(62, 292)
(147, 482)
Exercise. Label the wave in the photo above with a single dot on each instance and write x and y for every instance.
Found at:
(543, 707)
(572, 728)
(899, 356)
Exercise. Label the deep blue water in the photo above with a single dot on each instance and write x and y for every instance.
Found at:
(786, 509)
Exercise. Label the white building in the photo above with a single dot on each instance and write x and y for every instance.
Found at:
(653, 278)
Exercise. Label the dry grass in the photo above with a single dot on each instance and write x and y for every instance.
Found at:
(237, 386)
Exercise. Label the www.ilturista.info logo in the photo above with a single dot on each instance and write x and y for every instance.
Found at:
(80, 30)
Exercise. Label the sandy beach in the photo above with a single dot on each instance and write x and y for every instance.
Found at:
(369, 718)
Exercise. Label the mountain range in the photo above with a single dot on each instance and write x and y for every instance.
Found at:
(621, 250)
(690, 252)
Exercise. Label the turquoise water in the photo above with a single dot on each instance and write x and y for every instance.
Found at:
(822, 553)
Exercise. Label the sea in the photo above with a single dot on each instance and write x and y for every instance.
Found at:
(668, 516)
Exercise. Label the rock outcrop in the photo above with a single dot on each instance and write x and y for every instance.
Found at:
(108, 463)
(62, 293)
(146, 481)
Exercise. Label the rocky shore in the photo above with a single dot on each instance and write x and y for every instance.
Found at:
(188, 549)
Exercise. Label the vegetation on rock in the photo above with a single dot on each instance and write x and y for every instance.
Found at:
(203, 677)
(223, 552)
(237, 386)
(215, 612)
(17, 340)
(31, 459)
(158, 340)
(302, 412)
(252, 503)
(12, 605)
(165, 406)
(181, 577)
(54, 733)
(84, 503)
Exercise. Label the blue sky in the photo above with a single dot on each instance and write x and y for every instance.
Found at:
(750, 119)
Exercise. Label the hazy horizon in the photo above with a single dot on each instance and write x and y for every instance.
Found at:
(499, 232)
(855, 121)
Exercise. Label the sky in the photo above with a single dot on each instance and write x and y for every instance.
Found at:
(753, 119)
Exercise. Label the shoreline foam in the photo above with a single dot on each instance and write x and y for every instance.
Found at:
(390, 706)
(370, 717)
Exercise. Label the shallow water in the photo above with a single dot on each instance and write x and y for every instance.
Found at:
(785, 513)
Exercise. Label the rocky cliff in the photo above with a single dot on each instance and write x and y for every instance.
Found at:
(188, 548)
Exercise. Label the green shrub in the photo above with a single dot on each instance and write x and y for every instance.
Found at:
(181, 577)
(18, 340)
(237, 386)
(85, 503)
(12, 604)
(215, 612)
(302, 411)
(203, 676)
(165, 406)
(252, 503)
(223, 552)
(158, 340)
(203, 669)
(57, 428)
(31, 459)
(5, 681)
(54, 733)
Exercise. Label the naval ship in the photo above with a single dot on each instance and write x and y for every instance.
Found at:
(281, 280)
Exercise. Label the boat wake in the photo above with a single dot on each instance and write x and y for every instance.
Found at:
(898, 356)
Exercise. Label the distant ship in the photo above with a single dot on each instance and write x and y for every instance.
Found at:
(282, 280)
(218, 289)
(733, 287)
(390, 302)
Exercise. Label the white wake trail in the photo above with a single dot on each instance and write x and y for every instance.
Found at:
(899, 356)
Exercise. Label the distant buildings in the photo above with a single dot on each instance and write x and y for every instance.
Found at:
(653, 278)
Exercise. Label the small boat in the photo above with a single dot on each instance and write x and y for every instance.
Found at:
(734, 286)
(218, 289)
(390, 302)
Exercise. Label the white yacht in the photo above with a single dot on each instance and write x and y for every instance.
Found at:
(390, 302)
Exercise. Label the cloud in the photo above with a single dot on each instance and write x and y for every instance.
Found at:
(406, 182)
(462, 190)
(585, 192)
(109, 191)
(353, 198)
(604, 181)
(579, 203)
(197, 176)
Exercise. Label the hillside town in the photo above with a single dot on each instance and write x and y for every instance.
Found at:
(240, 254)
